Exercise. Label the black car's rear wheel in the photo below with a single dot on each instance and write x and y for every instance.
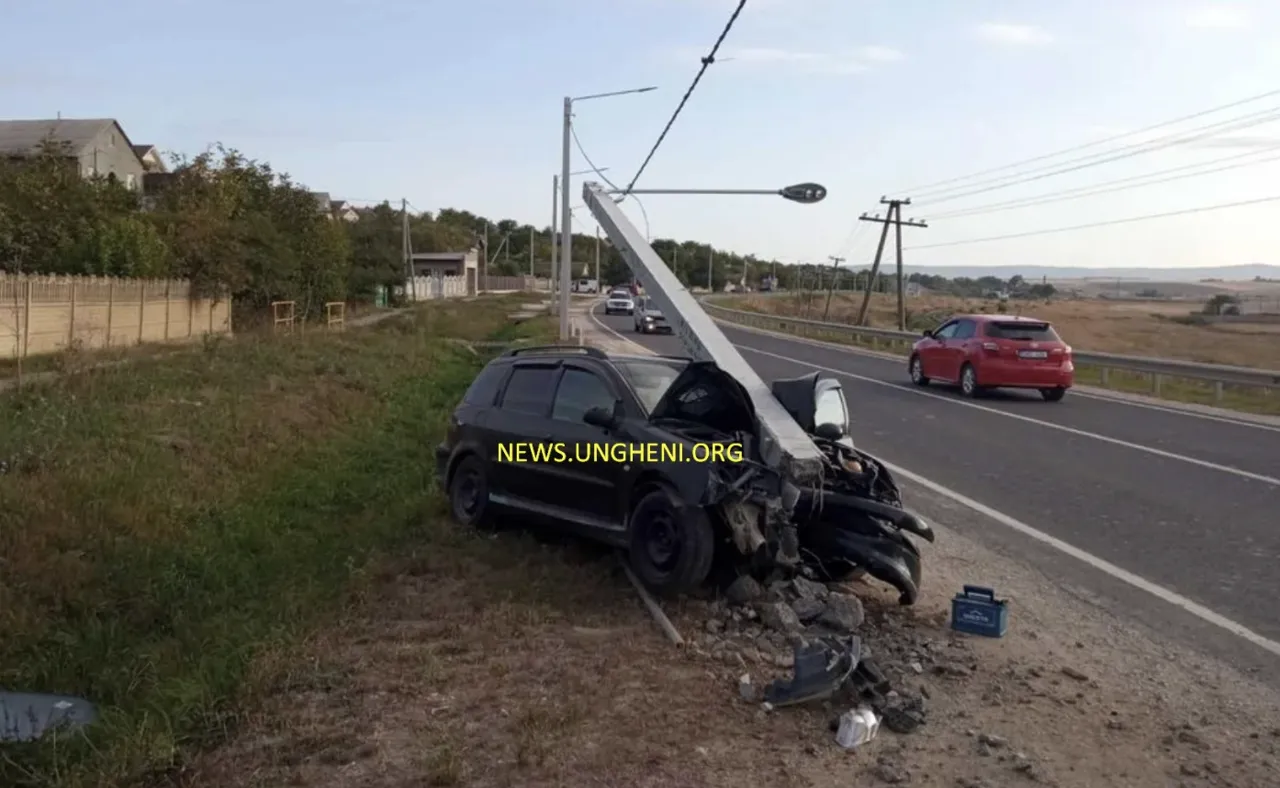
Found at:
(469, 492)
(671, 546)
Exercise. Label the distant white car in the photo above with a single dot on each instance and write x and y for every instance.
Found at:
(585, 286)
(619, 303)
(648, 318)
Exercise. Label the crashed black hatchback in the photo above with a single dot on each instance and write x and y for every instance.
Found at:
(521, 441)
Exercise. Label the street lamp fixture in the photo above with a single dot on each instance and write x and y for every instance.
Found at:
(566, 225)
(803, 193)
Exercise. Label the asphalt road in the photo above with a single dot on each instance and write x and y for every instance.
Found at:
(1187, 502)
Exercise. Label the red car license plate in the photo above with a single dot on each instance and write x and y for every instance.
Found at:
(1033, 354)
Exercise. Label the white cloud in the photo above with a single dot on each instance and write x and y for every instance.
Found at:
(879, 54)
(1012, 35)
(1217, 17)
(858, 61)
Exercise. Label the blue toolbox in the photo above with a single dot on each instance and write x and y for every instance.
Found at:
(977, 612)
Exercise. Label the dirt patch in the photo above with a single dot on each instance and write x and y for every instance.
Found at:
(503, 662)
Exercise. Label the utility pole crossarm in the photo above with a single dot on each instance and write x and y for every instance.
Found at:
(784, 444)
(886, 220)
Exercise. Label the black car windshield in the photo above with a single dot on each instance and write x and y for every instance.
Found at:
(650, 379)
(621, 294)
(1022, 330)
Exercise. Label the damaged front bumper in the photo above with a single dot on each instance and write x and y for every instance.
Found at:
(834, 531)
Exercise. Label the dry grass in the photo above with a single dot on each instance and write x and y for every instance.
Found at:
(164, 522)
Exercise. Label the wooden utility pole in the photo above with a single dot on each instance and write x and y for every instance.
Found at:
(831, 288)
(892, 217)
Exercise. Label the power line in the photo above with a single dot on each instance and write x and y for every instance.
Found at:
(1096, 189)
(1127, 220)
(1094, 144)
(706, 63)
(1266, 116)
(600, 174)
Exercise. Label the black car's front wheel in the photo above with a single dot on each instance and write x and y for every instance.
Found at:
(469, 492)
(671, 547)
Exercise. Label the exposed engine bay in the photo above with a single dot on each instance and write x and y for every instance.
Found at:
(853, 523)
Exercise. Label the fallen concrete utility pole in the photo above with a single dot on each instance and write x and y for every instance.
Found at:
(785, 446)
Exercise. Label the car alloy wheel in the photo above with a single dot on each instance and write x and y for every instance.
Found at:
(968, 381)
(916, 370)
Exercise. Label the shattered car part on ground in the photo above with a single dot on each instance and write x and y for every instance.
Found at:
(818, 634)
(26, 716)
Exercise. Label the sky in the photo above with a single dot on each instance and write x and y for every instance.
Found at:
(458, 104)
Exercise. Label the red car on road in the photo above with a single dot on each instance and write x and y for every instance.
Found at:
(981, 352)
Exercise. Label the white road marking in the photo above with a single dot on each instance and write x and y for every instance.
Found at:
(1047, 424)
(1106, 567)
(1160, 592)
(1225, 418)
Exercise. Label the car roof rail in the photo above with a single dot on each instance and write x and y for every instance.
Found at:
(586, 350)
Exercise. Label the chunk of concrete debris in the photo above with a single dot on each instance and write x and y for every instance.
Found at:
(1073, 673)
(842, 612)
(779, 616)
(808, 608)
(744, 590)
(746, 690)
(805, 588)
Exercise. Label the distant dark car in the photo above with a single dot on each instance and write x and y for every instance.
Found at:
(981, 352)
(670, 516)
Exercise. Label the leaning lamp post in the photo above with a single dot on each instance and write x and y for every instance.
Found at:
(566, 220)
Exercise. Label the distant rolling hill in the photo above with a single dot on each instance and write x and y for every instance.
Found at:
(1231, 273)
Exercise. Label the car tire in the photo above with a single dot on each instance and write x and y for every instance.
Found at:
(469, 492)
(670, 547)
(969, 381)
(915, 368)
(1053, 395)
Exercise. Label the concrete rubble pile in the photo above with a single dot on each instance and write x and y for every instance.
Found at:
(814, 641)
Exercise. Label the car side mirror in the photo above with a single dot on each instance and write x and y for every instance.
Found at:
(604, 418)
(926, 333)
(829, 432)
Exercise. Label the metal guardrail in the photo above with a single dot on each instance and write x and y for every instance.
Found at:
(1158, 369)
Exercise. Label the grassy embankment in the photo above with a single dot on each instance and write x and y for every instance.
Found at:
(1122, 328)
(169, 527)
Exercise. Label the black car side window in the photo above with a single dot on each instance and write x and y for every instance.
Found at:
(530, 390)
(579, 392)
(484, 389)
(964, 330)
(946, 332)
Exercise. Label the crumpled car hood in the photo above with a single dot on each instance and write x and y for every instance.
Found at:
(705, 394)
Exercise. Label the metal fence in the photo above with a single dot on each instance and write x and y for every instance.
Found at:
(1158, 370)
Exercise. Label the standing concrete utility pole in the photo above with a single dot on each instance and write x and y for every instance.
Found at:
(566, 221)
(598, 285)
(835, 274)
(892, 216)
(410, 286)
(555, 228)
(484, 271)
